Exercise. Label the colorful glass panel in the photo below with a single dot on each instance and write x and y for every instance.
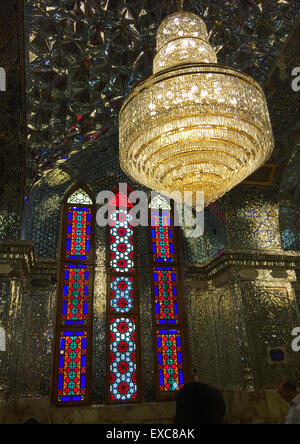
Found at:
(72, 367)
(121, 242)
(165, 290)
(122, 365)
(165, 301)
(78, 233)
(162, 236)
(75, 298)
(170, 366)
(123, 384)
(121, 294)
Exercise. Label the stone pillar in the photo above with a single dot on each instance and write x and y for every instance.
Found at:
(242, 309)
(27, 311)
(217, 329)
(40, 310)
(16, 260)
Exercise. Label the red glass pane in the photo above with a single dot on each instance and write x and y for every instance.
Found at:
(75, 298)
(170, 367)
(162, 237)
(72, 367)
(165, 290)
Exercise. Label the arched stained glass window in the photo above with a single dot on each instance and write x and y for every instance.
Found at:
(170, 342)
(123, 366)
(73, 342)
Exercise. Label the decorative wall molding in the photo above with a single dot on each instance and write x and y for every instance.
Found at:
(235, 259)
(19, 255)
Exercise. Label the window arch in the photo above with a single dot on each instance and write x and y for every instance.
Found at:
(168, 311)
(123, 319)
(71, 382)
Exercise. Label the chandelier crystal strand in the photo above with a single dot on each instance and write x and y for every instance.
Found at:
(193, 125)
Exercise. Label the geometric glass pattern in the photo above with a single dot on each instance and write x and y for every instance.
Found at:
(75, 301)
(170, 360)
(166, 308)
(123, 344)
(74, 317)
(123, 384)
(72, 366)
(78, 233)
(121, 294)
(165, 290)
(121, 242)
(162, 236)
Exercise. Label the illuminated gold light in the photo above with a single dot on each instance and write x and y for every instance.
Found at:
(194, 125)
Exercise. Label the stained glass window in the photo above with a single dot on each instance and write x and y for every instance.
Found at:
(169, 360)
(78, 242)
(168, 310)
(121, 294)
(123, 311)
(72, 366)
(72, 363)
(162, 236)
(121, 242)
(165, 293)
(123, 383)
(75, 294)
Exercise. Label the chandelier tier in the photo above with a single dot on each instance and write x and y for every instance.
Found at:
(193, 125)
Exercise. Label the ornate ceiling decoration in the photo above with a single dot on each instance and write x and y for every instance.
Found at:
(85, 57)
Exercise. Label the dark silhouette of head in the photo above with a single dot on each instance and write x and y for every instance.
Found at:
(198, 403)
(31, 421)
(287, 390)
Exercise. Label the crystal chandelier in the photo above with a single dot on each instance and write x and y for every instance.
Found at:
(194, 125)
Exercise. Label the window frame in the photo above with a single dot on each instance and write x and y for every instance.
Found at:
(182, 324)
(135, 313)
(88, 327)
